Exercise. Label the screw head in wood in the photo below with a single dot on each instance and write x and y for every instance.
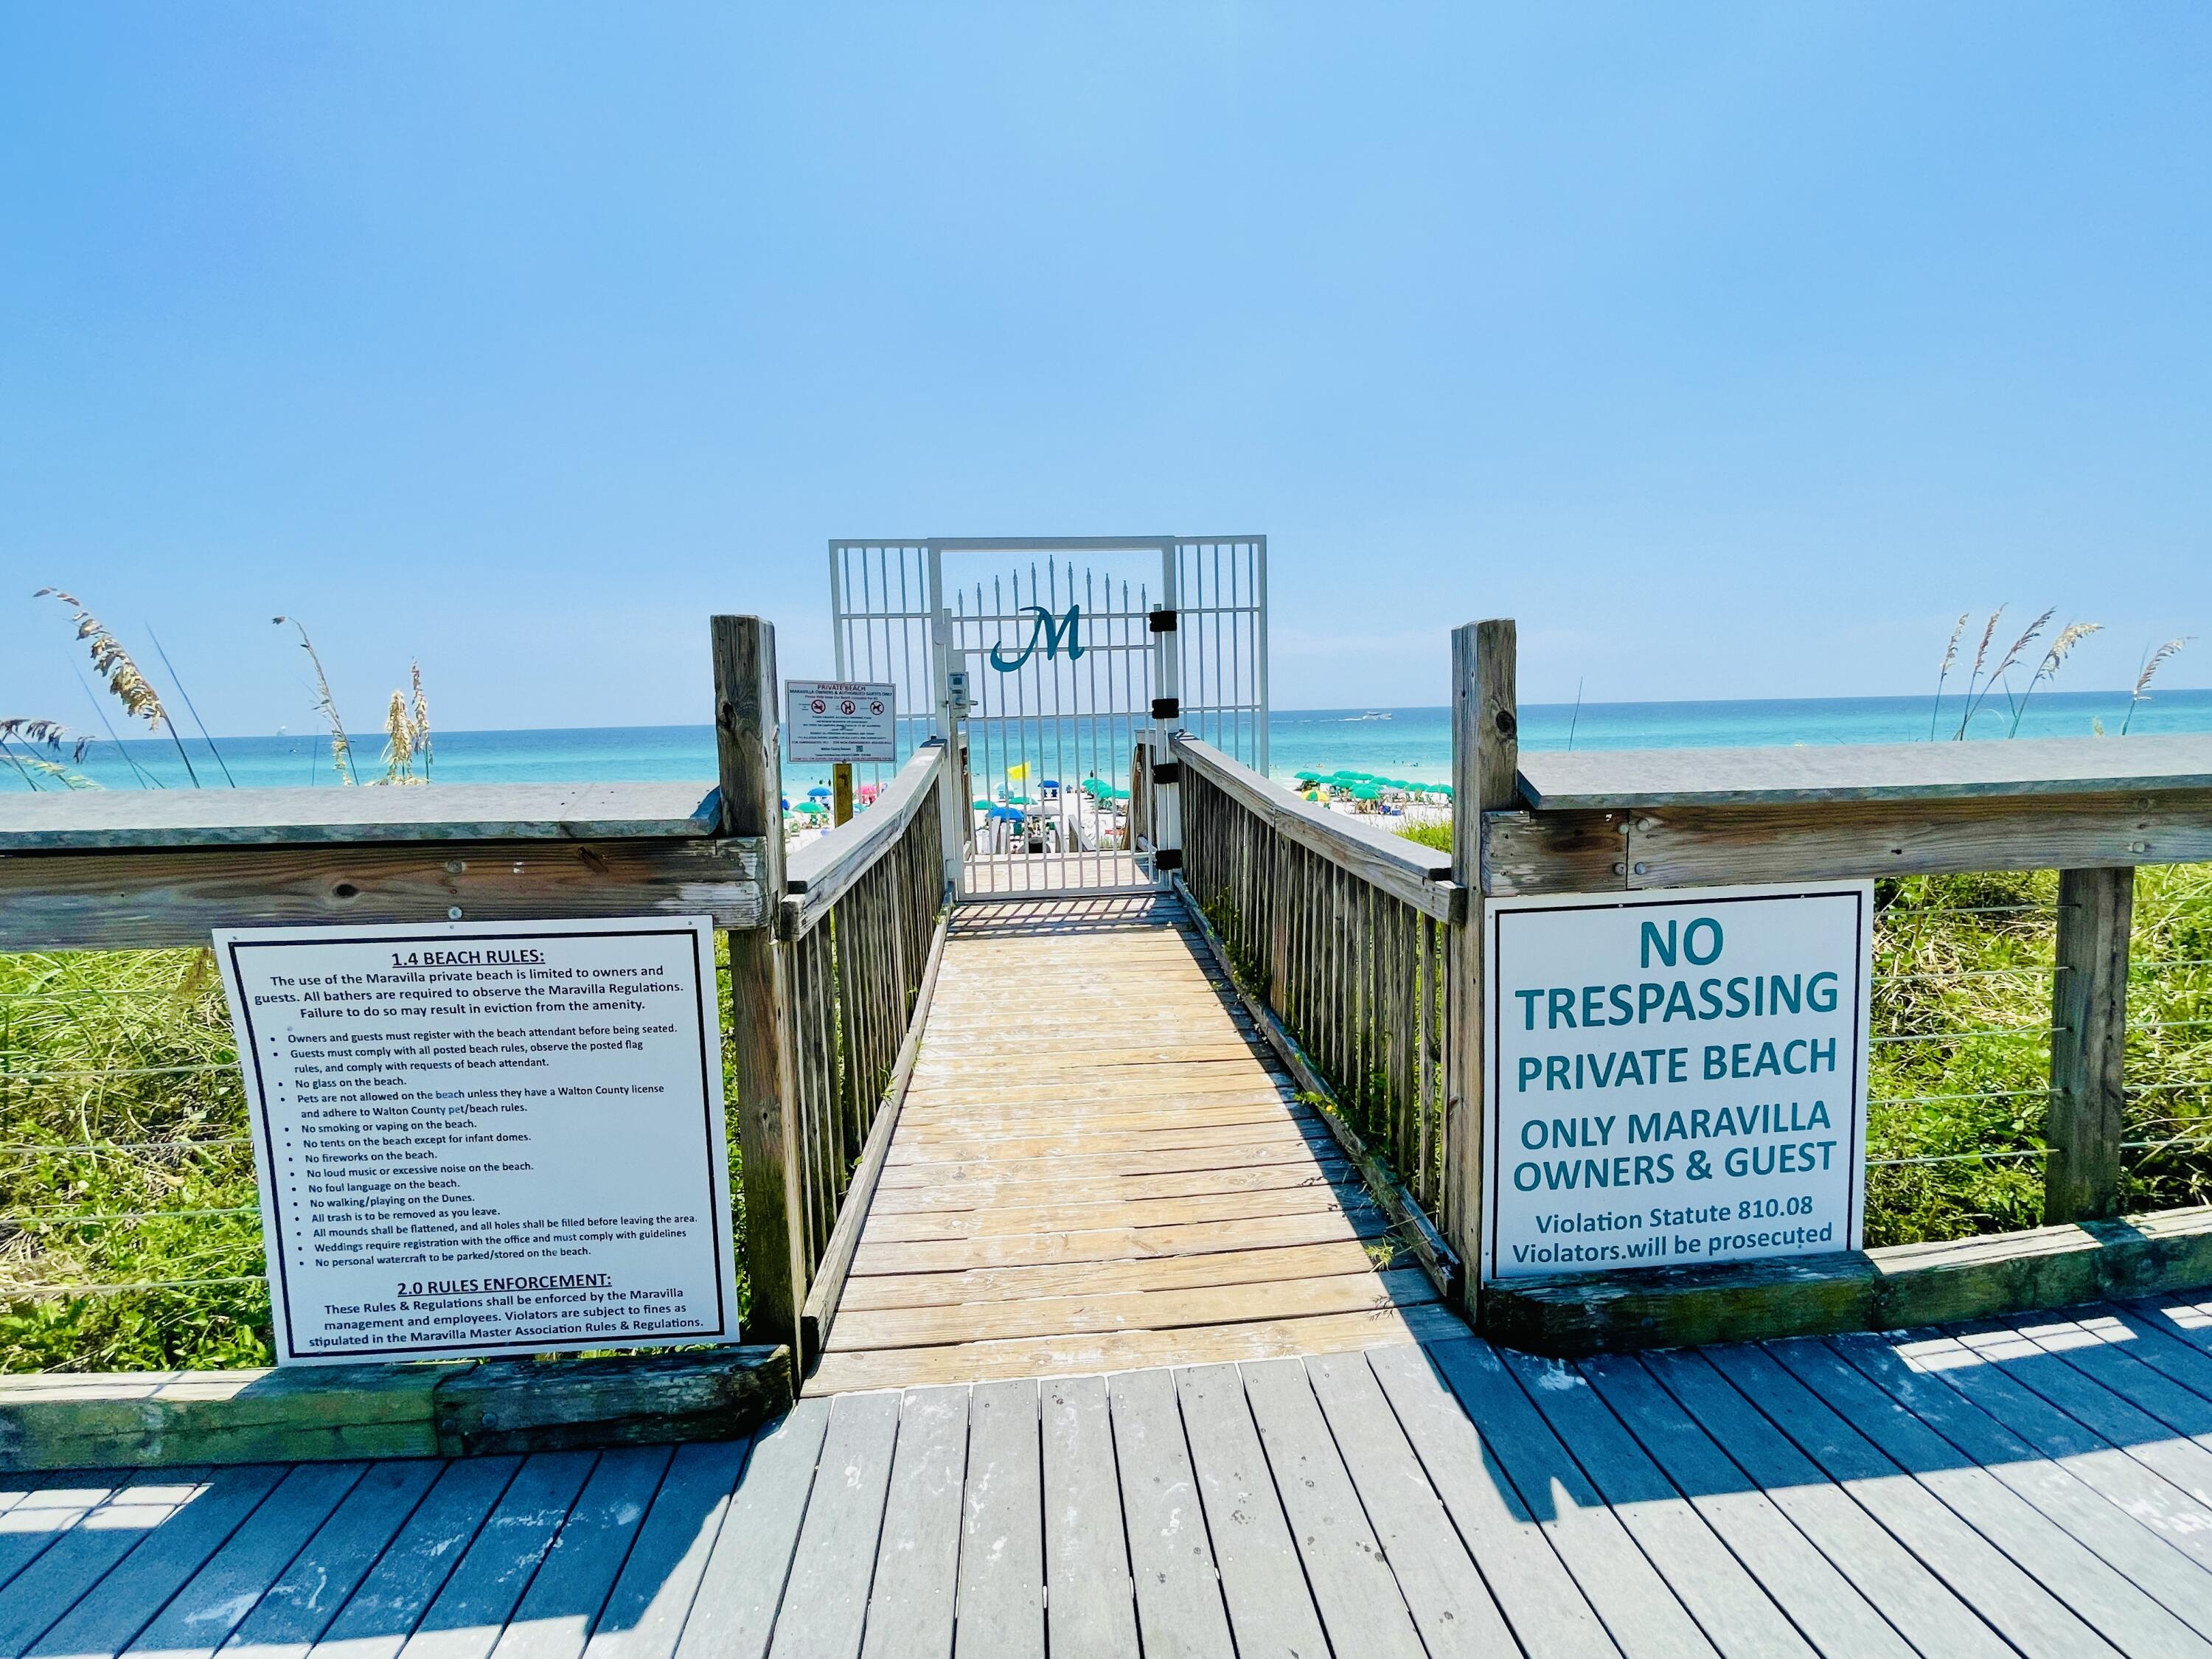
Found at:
(1643, 869)
(454, 912)
(1619, 869)
(454, 867)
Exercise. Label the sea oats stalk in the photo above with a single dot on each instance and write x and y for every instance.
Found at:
(113, 663)
(1943, 673)
(325, 705)
(2068, 636)
(1974, 703)
(2151, 665)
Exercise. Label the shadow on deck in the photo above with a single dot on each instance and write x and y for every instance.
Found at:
(2032, 1487)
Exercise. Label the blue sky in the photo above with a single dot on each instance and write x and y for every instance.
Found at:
(1735, 350)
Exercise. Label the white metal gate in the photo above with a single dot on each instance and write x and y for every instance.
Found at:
(1072, 648)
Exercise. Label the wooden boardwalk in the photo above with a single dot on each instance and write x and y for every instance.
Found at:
(2042, 1488)
(1098, 1168)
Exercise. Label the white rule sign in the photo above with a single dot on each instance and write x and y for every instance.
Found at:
(486, 1138)
(1674, 1078)
(829, 721)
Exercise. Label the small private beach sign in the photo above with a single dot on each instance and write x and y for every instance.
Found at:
(1674, 1078)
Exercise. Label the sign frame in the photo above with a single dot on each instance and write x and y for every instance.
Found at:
(827, 722)
(290, 1272)
(1852, 1131)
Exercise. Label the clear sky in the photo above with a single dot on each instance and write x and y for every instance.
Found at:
(1733, 348)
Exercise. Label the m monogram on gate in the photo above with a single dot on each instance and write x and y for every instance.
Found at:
(1051, 632)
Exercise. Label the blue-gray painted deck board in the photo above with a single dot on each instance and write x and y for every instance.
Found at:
(2031, 1485)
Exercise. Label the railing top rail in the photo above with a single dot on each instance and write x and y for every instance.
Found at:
(1419, 875)
(1604, 779)
(93, 820)
(819, 872)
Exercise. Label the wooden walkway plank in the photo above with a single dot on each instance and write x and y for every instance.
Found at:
(2152, 1341)
(1827, 1609)
(203, 1614)
(1550, 1616)
(1212, 1270)
(1001, 1599)
(2105, 1599)
(2144, 1495)
(1361, 1291)
(991, 1170)
(1191, 1197)
(916, 1151)
(1180, 1612)
(834, 1560)
(295, 1610)
(554, 1618)
(1729, 1605)
(1121, 1350)
(1442, 1588)
(173, 1544)
(473, 1606)
(41, 1595)
(377, 1621)
(1349, 1223)
(646, 1610)
(917, 1583)
(1091, 1610)
(2089, 1346)
(2028, 1615)
(1639, 1610)
(733, 1615)
(1270, 1611)
(1921, 1605)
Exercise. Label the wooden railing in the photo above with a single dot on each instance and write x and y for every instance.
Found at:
(825, 1006)
(1339, 936)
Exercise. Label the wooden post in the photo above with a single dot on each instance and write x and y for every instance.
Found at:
(750, 759)
(1486, 777)
(2088, 1045)
(841, 792)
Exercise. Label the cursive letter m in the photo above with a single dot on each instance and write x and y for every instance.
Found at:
(1067, 628)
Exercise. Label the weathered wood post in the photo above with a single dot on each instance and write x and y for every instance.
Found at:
(2088, 1045)
(1486, 773)
(749, 754)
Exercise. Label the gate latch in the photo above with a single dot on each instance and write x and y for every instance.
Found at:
(1161, 621)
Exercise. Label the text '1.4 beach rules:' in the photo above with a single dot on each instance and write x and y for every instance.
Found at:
(1674, 1078)
(486, 1138)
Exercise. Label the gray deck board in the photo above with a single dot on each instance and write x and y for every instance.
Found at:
(45, 1511)
(834, 1559)
(1912, 1597)
(910, 1613)
(1270, 1610)
(163, 1561)
(2023, 1610)
(466, 1621)
(382, 1612)
(733, 1614)
(296, 1609)
(1361, 1605)
(1643, 1614)
(1180, 1613)
(646, 1611)
(1002, 1527)
(1733, 1611)
(2029, 1487)
(1824, 1605)
(2105, 1599)
(1091, 1604)
(200, 1617)
(558, 1610)
(1972, 1437)
(1550, 1616)
(1452, 1608)
(45, 1591)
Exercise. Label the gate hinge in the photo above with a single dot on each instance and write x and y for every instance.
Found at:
(1168, 772)
(1167, 708)
(1168, 857)
(1161, 621)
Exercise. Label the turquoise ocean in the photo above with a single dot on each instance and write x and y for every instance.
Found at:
(1414, 743)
